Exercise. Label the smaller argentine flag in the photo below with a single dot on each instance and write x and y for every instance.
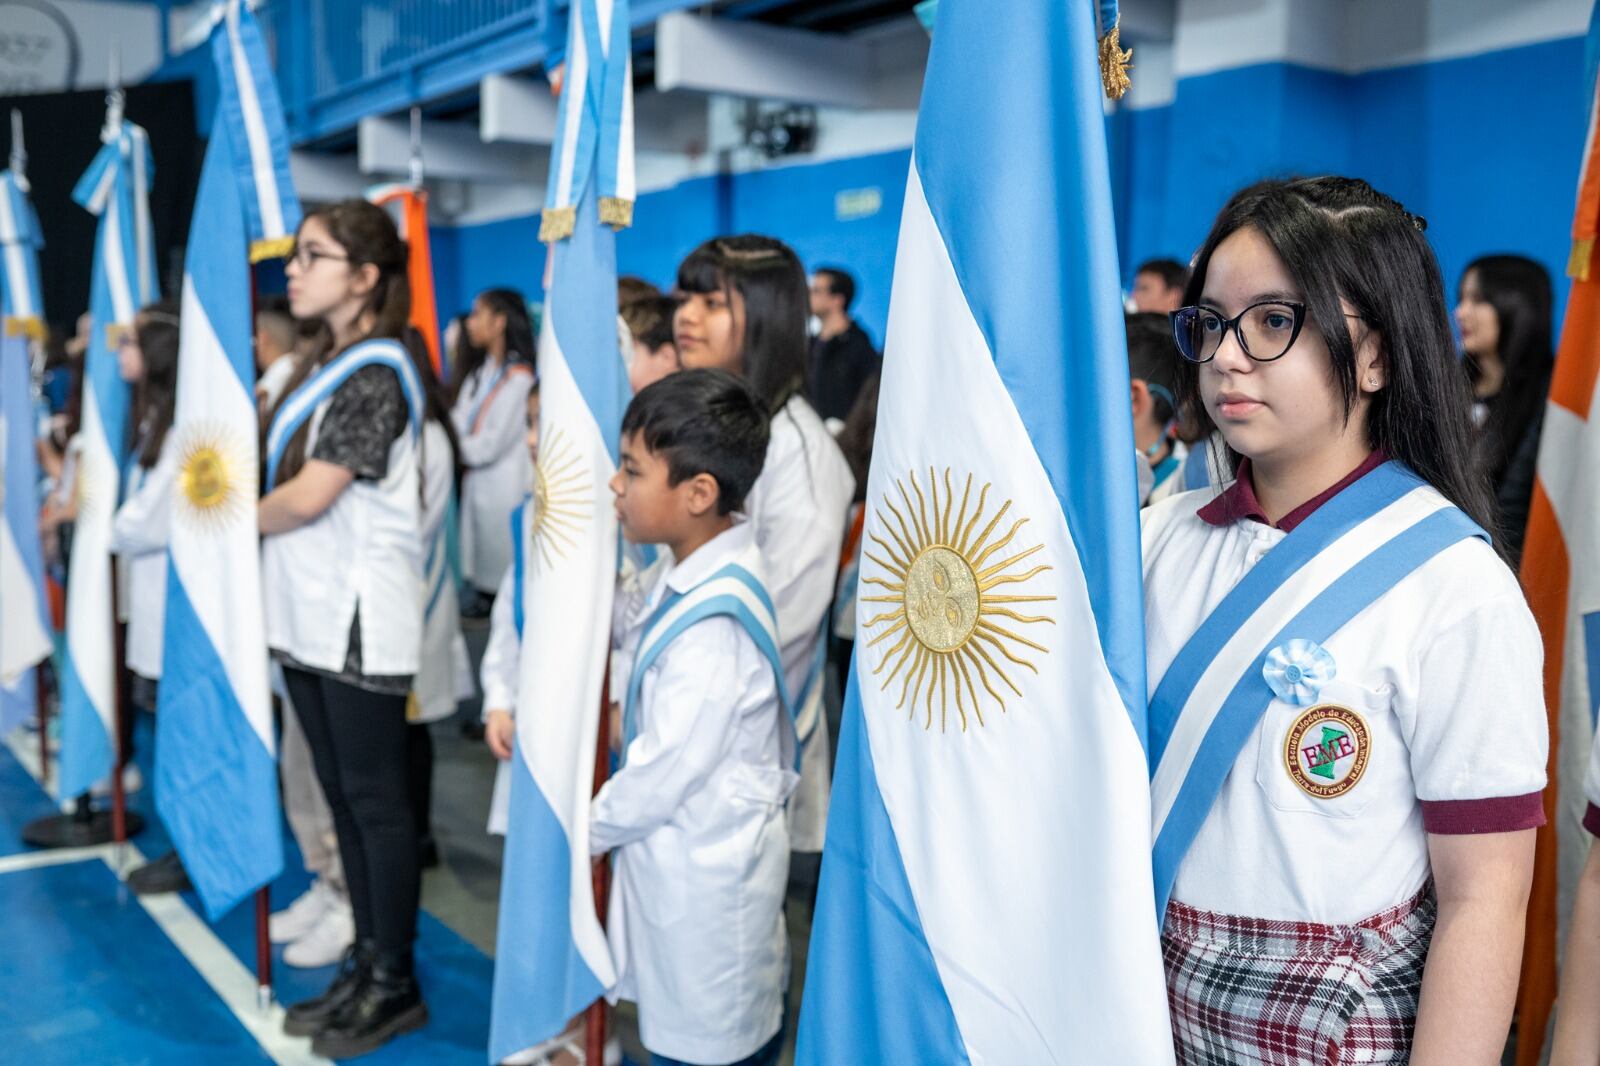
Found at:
(116, 187)
(985, 888)
(551, 956)
(216, 778)
(25, 623)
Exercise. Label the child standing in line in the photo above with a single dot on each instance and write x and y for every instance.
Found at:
(1347, 723)
(695, 813)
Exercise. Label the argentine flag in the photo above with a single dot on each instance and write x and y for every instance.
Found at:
(116, 188)
(25, 623)
(985, 892)
(216, 777)
(551, 957)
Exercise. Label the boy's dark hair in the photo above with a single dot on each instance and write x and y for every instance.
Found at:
(704, 422)
(1172, 272)
(1153, 359)
(840, 283)
(649, 320)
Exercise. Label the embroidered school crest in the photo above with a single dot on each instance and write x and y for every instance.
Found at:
(1326, 750)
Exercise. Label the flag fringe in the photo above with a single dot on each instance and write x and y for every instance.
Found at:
(30, 326)
(616, 212)
(271, 248)
(1579, 263)
(1114, 63)
(557, 224)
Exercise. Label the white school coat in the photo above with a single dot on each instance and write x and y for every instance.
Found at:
(139, 534)
(491, 417)
(799, 507)
(696, 815)
(444, 672)
(502, 659)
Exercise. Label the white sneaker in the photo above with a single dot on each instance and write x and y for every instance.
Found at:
(301, 916)
(327, 942)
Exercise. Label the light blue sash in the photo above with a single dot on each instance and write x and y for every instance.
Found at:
(711, 598)
(300, 405)
(1385, 564)
(519, 556)
(1195, 473)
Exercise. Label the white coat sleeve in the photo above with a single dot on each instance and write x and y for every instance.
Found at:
(685, 729)
(502, 427)
(143, 523)
(503, 654)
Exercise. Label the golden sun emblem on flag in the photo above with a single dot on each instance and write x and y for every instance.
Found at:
(561, 498)
(955, 631)
(211, 483)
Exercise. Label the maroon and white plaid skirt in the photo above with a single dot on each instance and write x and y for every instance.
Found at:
(1252, 992)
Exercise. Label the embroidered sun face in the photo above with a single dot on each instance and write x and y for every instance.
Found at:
(940, 570)
(562, 502)
(212, 488)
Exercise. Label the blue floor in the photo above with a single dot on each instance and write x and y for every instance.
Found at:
(88, 977)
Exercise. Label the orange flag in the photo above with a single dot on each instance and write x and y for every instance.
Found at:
(414, 231)
(1561, 576)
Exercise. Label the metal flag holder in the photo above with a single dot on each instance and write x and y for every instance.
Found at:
(85, 826)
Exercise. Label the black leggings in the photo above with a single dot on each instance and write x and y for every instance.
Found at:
(359, 743)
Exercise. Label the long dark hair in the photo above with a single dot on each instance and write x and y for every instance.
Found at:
(768, 277)
(155, 398)
(368, 235)
(436, 408)
(1342, 239)
(1519, 291)
(520, 345)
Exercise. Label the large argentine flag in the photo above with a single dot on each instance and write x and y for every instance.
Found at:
(216, 779)
(551, 958)
(986, 886)
(1561, 574)
(116, 188)
(25, 622)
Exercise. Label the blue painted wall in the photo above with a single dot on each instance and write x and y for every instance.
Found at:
(1486, 148)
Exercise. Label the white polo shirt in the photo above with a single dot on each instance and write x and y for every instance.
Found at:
(1434, 722)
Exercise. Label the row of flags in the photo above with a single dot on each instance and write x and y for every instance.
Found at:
(911, 946)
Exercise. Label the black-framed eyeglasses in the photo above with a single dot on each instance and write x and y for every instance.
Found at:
(1266, 330)
(305, 258)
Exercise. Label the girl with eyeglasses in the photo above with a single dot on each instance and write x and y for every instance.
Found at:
(342, 575)
(1346, 724)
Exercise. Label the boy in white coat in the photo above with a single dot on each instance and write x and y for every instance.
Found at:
(696, 811)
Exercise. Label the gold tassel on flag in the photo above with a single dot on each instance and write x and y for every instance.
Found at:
(556, 223)
(1578, 264)
(1114, 63)
(616, 212)
(271, 248)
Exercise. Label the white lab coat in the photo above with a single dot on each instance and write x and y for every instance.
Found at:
(502, 659)
(444, 673)
(696, 815)
(491, 417)
(799, 508)
(139, 534)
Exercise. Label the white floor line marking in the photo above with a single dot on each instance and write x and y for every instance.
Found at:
(233, 983)
(33, 860)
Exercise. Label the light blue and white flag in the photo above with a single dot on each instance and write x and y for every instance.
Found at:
(985, 892)
(216, 779)
(551, 957)
(593, 149)
(116, 188)
(25, 622)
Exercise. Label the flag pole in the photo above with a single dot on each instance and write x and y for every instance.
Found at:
(263, 899)
(595, 1016)
(41, 706)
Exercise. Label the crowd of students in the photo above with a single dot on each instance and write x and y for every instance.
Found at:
(1357, 896)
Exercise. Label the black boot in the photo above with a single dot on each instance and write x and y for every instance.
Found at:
(312, 1015)
(388, 1004)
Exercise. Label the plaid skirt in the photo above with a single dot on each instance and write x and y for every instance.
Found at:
(1253, 992)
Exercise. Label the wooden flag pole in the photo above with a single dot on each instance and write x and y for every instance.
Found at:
(595, 1018)
(41, 706)
(263, 950)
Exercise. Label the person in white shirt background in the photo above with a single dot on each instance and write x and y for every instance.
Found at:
(743, 306)
(275, 339)
(489, 405)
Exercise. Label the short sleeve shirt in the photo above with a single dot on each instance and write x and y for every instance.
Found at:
(365, 416)
(1439, 697)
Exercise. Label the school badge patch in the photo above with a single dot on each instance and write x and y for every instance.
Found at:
(1326, 750)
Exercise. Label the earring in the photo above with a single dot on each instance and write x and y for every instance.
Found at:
(1372, 383)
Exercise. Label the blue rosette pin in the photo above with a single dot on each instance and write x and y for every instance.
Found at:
(1297, 669)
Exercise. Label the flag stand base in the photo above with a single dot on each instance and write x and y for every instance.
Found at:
(85, 827)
